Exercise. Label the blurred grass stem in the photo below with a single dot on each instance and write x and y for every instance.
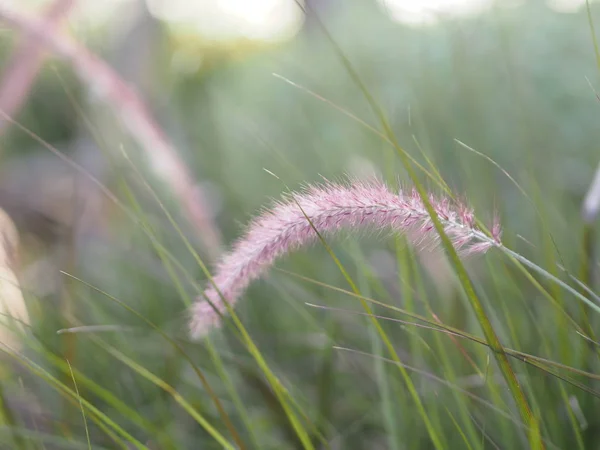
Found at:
(26, 62)
(104, 82)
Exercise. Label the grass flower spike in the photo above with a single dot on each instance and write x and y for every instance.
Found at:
(330, 208)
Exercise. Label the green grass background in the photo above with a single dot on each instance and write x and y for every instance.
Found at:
(510, 84)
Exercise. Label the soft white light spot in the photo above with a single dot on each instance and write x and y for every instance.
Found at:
(430, 12)
(565, 6)
(231, 19)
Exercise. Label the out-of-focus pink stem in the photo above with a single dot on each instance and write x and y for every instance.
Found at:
(107, 84)
(26, 61)
(328, 209)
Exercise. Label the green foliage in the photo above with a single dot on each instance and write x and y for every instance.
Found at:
(308, 369)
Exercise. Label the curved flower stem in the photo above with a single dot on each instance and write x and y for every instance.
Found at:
(535, 439)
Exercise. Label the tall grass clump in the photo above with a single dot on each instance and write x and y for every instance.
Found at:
(125, 323)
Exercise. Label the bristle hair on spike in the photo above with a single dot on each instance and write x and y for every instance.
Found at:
(331, 207)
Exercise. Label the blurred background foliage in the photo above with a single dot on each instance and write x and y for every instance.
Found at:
(513, 80)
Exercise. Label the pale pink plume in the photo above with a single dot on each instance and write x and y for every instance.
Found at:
(330, 208)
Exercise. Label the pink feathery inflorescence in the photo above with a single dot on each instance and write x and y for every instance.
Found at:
(331, 208)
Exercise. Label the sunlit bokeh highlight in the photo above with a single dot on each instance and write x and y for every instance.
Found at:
(430, 12)
(232, 19)
(267, 20)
